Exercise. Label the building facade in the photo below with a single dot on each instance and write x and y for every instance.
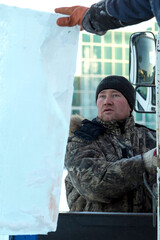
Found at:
(99, 57)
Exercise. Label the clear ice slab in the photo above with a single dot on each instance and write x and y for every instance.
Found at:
(37, 66)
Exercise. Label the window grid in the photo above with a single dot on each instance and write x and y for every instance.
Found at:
(93, 62)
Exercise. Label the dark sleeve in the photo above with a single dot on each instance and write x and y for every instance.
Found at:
(112, 14)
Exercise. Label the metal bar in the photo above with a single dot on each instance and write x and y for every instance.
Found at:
(158, 126)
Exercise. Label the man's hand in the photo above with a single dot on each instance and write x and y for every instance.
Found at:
(150, 160)
(75, 13)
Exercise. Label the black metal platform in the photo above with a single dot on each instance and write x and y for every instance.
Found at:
(102, 226)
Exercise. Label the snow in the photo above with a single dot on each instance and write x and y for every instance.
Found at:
(37, 65)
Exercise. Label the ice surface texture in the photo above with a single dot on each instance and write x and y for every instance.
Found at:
(37, 65)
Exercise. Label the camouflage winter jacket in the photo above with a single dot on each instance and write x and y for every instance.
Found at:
(105, 167)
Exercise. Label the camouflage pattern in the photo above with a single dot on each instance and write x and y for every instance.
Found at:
(106, 175)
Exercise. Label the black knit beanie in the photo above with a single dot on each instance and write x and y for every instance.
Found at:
(120, 84)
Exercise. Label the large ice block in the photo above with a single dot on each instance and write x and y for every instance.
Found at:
(37, 65)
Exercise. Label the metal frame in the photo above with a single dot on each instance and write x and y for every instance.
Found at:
(158, 126)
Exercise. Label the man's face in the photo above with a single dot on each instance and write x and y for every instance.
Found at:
(112, 105)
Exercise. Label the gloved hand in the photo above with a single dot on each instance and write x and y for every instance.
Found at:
(76, 15)
(150, 160)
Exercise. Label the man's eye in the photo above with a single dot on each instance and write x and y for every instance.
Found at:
(102, 96)
(116, 95)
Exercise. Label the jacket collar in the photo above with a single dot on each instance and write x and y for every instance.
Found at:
(91, 130)
(117, 127)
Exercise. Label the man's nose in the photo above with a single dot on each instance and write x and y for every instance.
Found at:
(108, 100)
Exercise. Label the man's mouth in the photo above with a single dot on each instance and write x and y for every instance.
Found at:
(108, 110)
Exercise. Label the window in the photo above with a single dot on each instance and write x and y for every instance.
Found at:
(77, 83)
(107, 68)
(127, 37)
(97, 52)
(86, 50)
(85, 37)
(108, 37)
(76, 111)
(76, 99)
(97, 39)
(127, 69)
(95, 82)
(118, 53)
(85, 67)
(107, 52)
(156, 27)
(143, 92)
(89, 113)
(96, 68)
(86, 83)
(118, 68)
(88, 99)
(153, 89)
(126, 53)
(150, 120)
(118, 37)
(138, 117)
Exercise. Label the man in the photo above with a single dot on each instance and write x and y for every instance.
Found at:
(108, 157)
(109, 14)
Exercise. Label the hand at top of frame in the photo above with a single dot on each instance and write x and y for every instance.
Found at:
(76, 14)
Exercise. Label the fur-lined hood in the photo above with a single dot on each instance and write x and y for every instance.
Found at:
(75, 123)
